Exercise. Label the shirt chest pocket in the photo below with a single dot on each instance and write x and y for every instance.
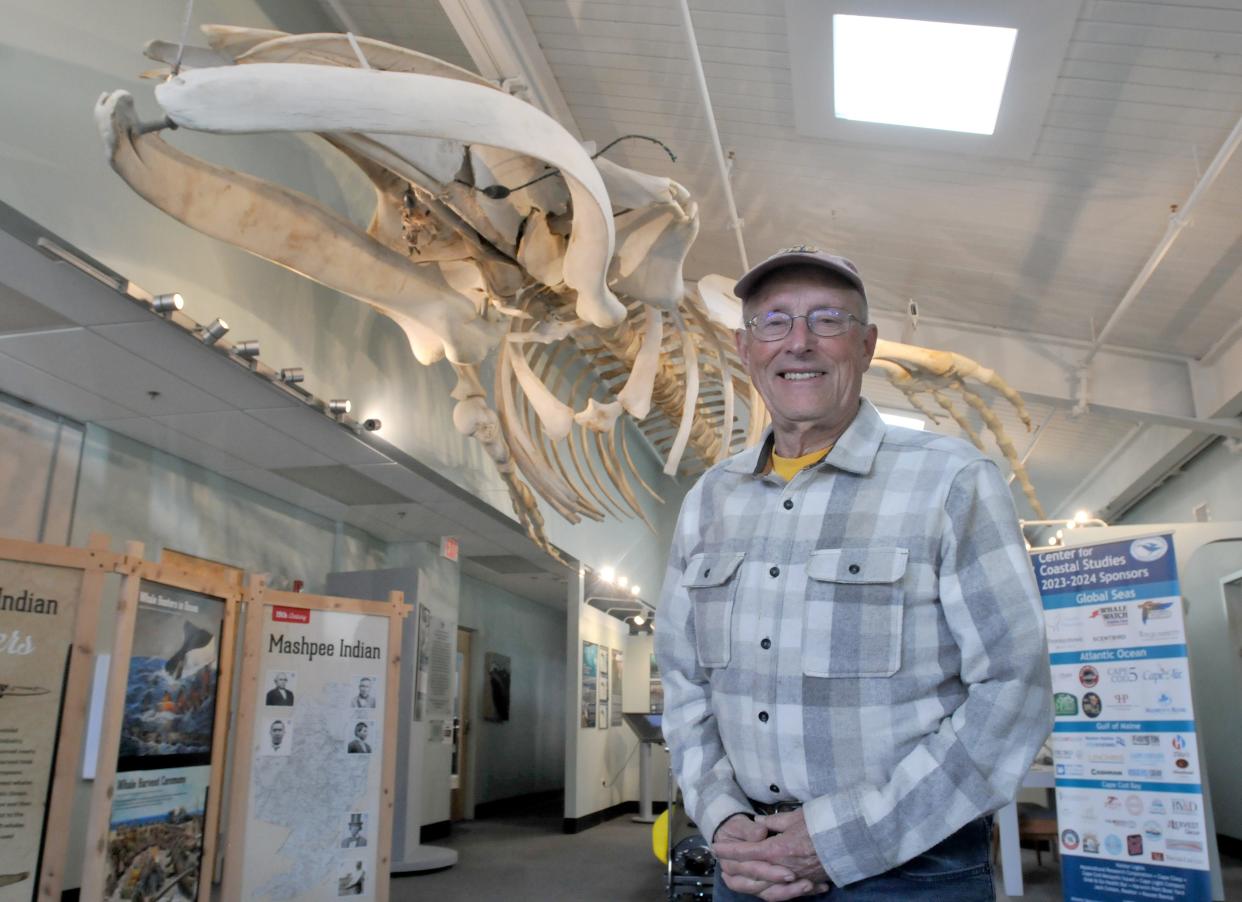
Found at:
(853, 613)
(711, 582)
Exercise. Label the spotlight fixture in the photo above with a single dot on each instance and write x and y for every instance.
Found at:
(167, 303)
(215, 331)
(247, 349)
(1082, 516)
(623, 581)
(635, 589)
(372, 424)
(607, 574)
(338, 407)
(292, 375)
(639, 619)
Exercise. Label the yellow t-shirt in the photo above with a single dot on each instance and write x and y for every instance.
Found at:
(789, 467)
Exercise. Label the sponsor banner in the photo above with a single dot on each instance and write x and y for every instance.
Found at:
(1107, 595)
(1117, 655)
(38, 611)
(1085, 880)
(1125, 752)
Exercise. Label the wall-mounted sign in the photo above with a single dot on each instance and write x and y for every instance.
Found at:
(590, 681)
(1130, 807)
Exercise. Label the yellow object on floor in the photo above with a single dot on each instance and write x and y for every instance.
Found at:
(659, 837)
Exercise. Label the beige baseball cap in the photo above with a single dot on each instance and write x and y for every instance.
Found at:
(801, 254)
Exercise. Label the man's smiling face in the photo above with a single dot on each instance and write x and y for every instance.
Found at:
(810, 384)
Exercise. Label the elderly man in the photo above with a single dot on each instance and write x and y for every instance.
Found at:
(850, 634)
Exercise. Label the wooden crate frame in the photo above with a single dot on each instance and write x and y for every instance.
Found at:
(220, 586)
(97, 562)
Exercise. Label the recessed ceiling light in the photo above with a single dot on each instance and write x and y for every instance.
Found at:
(939, 75)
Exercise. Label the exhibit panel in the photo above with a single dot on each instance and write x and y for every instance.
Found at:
(156, 801)
(312, 796)
(49, 601)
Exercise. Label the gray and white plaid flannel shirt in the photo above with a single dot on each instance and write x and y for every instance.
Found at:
(866, 639)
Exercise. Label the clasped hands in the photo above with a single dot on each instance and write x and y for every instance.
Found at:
(771, 857)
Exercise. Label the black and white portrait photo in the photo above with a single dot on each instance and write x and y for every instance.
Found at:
(276, 736)
(360, 744)
(365, 697)
(280, 691)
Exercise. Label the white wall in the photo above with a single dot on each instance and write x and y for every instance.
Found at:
(527, 753)
(1214, 478)
(607, 765)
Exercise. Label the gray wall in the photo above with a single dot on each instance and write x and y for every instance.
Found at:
(132, 491)
(526, 754)
(39, 456)
(1214, 478)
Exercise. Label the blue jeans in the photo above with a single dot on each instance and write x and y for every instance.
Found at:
(956, 870)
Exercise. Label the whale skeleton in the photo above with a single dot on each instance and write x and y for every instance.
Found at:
(496, 235)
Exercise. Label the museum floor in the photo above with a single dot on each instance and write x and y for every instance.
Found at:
(528, 859)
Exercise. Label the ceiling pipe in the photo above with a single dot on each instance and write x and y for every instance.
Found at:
(721, 166)
(1177, 222)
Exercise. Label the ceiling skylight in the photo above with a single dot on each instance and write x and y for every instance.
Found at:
(936, 75)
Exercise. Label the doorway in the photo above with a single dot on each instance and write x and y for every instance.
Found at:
(459, 772)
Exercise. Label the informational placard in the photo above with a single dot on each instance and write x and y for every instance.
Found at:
(433, 681)
(1130, 806)
(618, 659)
(156, 829)
(155, 837)
(38, 610)
(316, 771)
(655, 687)
(603, 684)
(590, 679)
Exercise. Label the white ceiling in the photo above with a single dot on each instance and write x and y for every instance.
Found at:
(1018, 263)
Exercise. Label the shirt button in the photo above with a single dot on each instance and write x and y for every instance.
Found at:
(763, 717)
(774, 572)
(788, 504)
(854, 568)
(774, 789)
(766, 643)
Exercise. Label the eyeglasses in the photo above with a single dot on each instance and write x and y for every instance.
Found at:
(826, 322)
